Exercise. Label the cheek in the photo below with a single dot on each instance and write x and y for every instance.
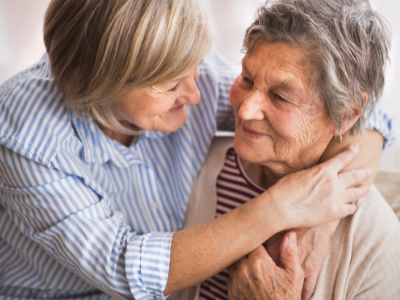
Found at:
(237, 95)
(158, 106)
(288, 122)
(293, 129)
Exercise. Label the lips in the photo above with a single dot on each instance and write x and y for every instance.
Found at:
(252, 133)
(176, 109)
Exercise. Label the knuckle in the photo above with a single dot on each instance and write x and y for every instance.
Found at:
(330, 182)
(258, 264)
(308, 289)
(299, 275)
(244, 274)
(354, 193)
(333, 208)
(355, 175)
(312, 265)
(344, 157)
(318, 169)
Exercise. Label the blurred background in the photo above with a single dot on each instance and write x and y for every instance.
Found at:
(21, 44)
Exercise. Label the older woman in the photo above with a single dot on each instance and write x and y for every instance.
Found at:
(311, 69)
(100, 142)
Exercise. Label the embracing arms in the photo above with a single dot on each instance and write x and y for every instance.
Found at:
(200, 252)
(312, 243)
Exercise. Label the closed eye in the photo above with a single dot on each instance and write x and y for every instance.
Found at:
(247, 80)
(174, 88)
(276, 96)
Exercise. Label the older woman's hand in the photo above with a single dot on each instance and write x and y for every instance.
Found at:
(312, 244)
(258, 277)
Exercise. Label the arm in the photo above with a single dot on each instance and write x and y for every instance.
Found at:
(313, 243)
(79, 241)
(63, 216)
(200, 252)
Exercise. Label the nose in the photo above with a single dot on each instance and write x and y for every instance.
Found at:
(252, 107)
(193, 95)
(196, 72)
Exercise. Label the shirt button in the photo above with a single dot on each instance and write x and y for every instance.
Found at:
(154, 205)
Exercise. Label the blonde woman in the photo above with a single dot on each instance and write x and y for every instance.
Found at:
(100, 142)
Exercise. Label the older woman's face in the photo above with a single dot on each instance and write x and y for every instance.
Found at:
(280, 121)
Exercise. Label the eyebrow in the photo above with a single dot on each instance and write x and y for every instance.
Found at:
(178, 79)
(287, 85)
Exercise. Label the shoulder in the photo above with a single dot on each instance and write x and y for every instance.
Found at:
(33, 114)
(375, 216)
(373, 244)
(364, 249)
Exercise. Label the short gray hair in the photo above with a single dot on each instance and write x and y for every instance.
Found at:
(347, 42)
(98, 47)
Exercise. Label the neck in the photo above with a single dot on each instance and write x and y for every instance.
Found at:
(261, 175)
(124, 139)
(267, 176)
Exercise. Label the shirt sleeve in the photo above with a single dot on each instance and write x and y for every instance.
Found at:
(384, 123)
(80, 229)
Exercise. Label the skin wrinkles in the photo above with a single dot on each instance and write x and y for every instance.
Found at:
(159, 108)
(273, 97)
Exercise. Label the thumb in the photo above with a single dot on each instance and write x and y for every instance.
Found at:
(289, 256)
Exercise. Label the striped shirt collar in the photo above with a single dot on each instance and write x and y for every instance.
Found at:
(98, 147)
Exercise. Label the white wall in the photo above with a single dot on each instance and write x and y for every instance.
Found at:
(21, 44)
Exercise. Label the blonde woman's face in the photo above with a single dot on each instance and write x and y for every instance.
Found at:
(160, 108)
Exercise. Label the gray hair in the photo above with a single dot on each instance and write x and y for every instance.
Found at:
(347, 42)
(98, 47)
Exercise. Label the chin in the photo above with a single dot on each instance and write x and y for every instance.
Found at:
(248, 152)
(175, 123)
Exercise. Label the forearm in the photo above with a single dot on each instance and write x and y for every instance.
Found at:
(371, 144)
(200, 252)
(306, 198)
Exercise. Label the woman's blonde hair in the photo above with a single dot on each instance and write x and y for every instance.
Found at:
(98, 47)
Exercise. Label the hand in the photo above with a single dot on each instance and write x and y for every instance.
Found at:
(312, 246)
(320, 194)
(371, 145)
(258, 277)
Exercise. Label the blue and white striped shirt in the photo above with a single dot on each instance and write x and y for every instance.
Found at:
(84, 217)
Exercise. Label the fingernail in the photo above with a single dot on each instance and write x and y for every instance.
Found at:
(292, 238)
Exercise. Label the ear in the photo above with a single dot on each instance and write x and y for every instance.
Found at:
(351, 119)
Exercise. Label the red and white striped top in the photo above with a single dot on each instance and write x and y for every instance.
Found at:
(233, 189)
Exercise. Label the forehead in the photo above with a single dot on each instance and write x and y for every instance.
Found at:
(279, 62)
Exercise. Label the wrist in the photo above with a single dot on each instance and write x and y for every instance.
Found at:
(330, 227)
(271, 215)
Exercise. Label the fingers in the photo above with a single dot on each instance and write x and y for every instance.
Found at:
(356, 177)
(231, 270)
(339, 161)
(309, 287)
(351, 195)
(289, 256)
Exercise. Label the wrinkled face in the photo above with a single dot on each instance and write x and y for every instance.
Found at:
(281, 122)
(161, 108)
